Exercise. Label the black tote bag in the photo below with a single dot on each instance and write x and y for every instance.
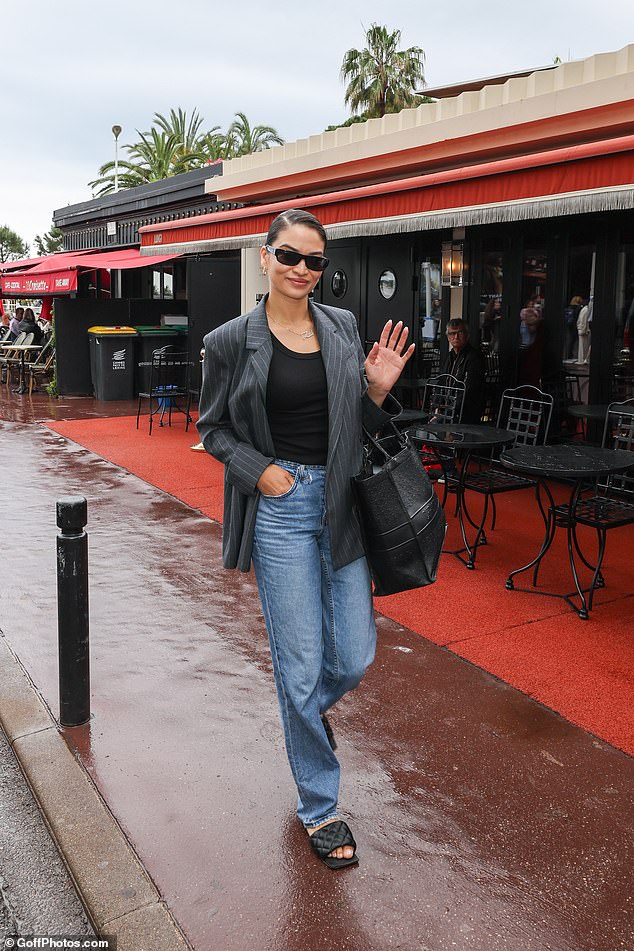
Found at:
(402, 520)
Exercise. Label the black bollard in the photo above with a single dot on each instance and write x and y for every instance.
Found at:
(72, 611)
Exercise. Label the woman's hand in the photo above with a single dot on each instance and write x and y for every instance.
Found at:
(385, 361)
(274, 480)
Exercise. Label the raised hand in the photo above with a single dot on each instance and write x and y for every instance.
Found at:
(386, 360)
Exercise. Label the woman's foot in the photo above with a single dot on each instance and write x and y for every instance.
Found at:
(344, 852)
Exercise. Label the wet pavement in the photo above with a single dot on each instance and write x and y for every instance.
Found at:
(484, 820)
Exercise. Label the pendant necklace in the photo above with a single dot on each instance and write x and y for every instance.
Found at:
(304, 334)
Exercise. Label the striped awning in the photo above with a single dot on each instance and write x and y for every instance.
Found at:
(595, 176)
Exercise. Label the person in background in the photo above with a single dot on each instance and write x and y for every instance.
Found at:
(5, 333)
(29, 325)
(465, 363)
(571, 313)
(436, 316)
(15, 322)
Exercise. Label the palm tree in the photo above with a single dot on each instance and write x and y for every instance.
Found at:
(157, 155)
(175, 144)
(381, 78)
(243, 139)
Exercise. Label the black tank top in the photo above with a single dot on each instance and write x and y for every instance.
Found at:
(297, 405)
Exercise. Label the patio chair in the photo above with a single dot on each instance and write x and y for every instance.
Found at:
(168, 377)
(611, 502)
(443, 402)
(43, 365)
(11, 358)
(525, 411)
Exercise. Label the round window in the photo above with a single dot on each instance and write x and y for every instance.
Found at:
(339, 283)
(387, 284)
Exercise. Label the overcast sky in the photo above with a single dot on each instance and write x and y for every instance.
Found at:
(70, 70)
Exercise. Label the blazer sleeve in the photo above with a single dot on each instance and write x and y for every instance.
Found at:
(373, 417)
(243, 463)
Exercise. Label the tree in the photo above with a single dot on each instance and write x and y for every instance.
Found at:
(50, 242)
(175, 144)
(243, 139)
(12, 247)
(381, 78)
(157, 155)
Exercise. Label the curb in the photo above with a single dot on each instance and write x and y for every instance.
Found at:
(118, 894)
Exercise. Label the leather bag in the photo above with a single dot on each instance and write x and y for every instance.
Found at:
(402, 521)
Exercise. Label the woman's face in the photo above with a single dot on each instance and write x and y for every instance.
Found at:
(293, 281)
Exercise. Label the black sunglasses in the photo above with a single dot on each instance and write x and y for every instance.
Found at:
(314, 262)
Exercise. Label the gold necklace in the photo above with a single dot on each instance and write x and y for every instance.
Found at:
(304, 334)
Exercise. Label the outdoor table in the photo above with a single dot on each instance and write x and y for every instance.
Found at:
(578, 462)
(588, 413)
(464, 438)
(23, 349)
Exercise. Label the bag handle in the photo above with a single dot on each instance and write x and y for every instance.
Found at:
(402, 438)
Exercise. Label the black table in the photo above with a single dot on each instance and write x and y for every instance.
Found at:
(460, 438)
(578, 462)
(595, 412)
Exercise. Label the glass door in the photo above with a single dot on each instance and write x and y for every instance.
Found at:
(531, 317)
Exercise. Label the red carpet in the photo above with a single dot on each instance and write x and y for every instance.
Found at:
(583, 670)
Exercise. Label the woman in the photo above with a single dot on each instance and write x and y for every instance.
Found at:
(285, 393)
(29, 325)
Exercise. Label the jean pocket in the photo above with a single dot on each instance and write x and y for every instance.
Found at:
(288, 492)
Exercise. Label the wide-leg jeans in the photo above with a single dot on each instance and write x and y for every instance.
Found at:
(321, 629)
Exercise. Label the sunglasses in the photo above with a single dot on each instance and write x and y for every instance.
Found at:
(314, 262)
(455, 333)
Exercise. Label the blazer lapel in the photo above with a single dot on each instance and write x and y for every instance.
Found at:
(259, 342)
(334, 353)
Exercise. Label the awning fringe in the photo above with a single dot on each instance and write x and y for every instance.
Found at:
(620, 198)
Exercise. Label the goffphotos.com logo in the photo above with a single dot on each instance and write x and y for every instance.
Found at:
(104, 943)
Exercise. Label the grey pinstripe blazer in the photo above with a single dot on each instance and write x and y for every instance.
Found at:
(234, 428)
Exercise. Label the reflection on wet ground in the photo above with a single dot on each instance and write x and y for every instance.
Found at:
(484, 820)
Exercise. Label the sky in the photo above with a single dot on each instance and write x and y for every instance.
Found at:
(71, 70)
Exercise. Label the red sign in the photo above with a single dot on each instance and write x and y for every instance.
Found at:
(57, 282)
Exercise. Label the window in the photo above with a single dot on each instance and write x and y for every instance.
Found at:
(339, 284)
(387, 284)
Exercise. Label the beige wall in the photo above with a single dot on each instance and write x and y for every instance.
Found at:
(604, 79)
(252, 281)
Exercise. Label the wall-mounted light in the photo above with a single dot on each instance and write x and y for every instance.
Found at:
(452, 270)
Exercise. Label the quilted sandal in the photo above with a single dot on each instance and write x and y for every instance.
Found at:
(329, 734)
(334, 835)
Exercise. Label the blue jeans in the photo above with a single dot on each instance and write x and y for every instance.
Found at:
(321, 629)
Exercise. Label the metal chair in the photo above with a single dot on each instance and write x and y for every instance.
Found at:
(443, 402)
(611, 503)
(168, 376)
(525, 411)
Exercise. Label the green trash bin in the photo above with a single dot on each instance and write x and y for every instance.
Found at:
(150, 339)
(112, 362)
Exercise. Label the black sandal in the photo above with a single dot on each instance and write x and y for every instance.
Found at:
(334, 835)
(329, 734)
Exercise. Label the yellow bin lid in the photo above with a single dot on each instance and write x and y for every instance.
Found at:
(112, 330)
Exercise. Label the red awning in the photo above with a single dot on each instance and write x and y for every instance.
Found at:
(56, 274)
(580, 170)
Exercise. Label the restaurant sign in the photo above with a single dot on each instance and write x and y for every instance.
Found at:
(56, 282)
